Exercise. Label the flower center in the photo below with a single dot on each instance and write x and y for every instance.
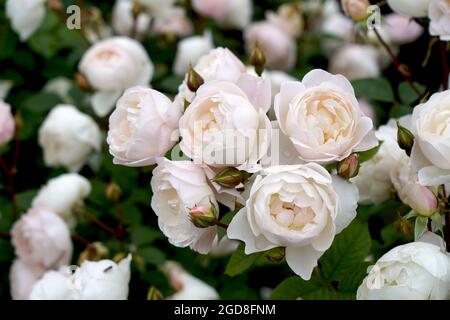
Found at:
(289, 214)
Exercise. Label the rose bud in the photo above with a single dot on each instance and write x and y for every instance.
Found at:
(355, 9)
(405, 139)
(257, 59)
(349, 167)
(94, 252)
(203, 217)
(194, 80)
(154, 294)
(113, 191)
(231, 177)
(404, 227)
(420, 199)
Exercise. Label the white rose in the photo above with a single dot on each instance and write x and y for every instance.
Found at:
(179, 186)
(22, 278)
(142, 115)
(188, 287)
(218, 64)
(113, 65)
(416, 8)
(224, 247)
(347, 61)
(375, 176)
(439, 13)
(299, 207)
(157, 8)
(337, 29)
(402, 30)
(222, 127)
(123, 21)
(63, 195)
(431, 149)
(322, 117)
(40, 237)
(414, 271)
(68, 137)
(288, 18)
(228, 13)
(278, 46)
(174, 22)
(54, 285)
(7, 123)
(26, 16)
(189, 50)
(103, 280)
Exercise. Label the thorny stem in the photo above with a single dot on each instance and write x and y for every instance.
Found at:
(397, 64)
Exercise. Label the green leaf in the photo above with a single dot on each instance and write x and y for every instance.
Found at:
(349, 249)
(436, 223)
(369, 154)
(352, 280)
(142, 235)
(225, 219)
(295, 287)
(378, 89)
(6, 251)
(24, 199)
(420, 227)
(152, 255)
(407, 94)
(399, 110)
(41, 102)
(240, 262)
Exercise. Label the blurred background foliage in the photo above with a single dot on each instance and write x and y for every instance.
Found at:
(54, 51)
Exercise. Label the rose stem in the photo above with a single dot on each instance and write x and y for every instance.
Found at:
(80, 239)
(121, 231)
(99, 223)
(445, 69)
(221, 224)
(396, 63)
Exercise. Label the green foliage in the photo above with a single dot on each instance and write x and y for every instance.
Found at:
(240, 262)
(377, 89)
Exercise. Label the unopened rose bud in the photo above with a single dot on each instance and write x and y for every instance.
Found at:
(18, 120)
(257, 59)
(349, 167)
(203, 217)
(404, 227)
(194, 80)
(404, 70)
(231, 178)
(355, 9)
(154, 294)
(275, 254)
(55, 5)
(420, 199)
(94, 252)
(82, 82)
(405, 138)
(113, 192)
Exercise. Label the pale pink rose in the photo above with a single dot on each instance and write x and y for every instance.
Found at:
(123, 21)
(420, 199)
(322, 118)
(40, 237)
(439, 14)
(347, 62)
(173, 22)
(142, 127)
(288, 18)
(279, 47)
(402, 29)
(356, 9)
(22, 278)
(179, 186)
(210, 8)
(7, 123)
(415, 8)
(225, 124)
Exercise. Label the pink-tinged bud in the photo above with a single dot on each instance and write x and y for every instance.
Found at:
(203, 217)
(349, 167)
(355, 9)
(420, 199)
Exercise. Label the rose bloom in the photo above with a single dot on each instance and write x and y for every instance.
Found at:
(178, 187)
(218, 64)
(123, 20)
(189, 51)
(113, 65)
(279, 47)
(288, 18)
(300, 207)
(401, 29)
(414, 271)
(431, 149)
(63, 195)
(174, 22)
(54, 285)
(322, 118)
(26, 16)
(221, 127)
(7, 123)
(103, 280)
(187, 286)
(228, 13)
(416, 8)
(142, 115)
(337, 30)
(22, 278)
(41, 237)
(347, 61)
(68, 137)
(439, 14)
(356, 9)
(157, 8)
